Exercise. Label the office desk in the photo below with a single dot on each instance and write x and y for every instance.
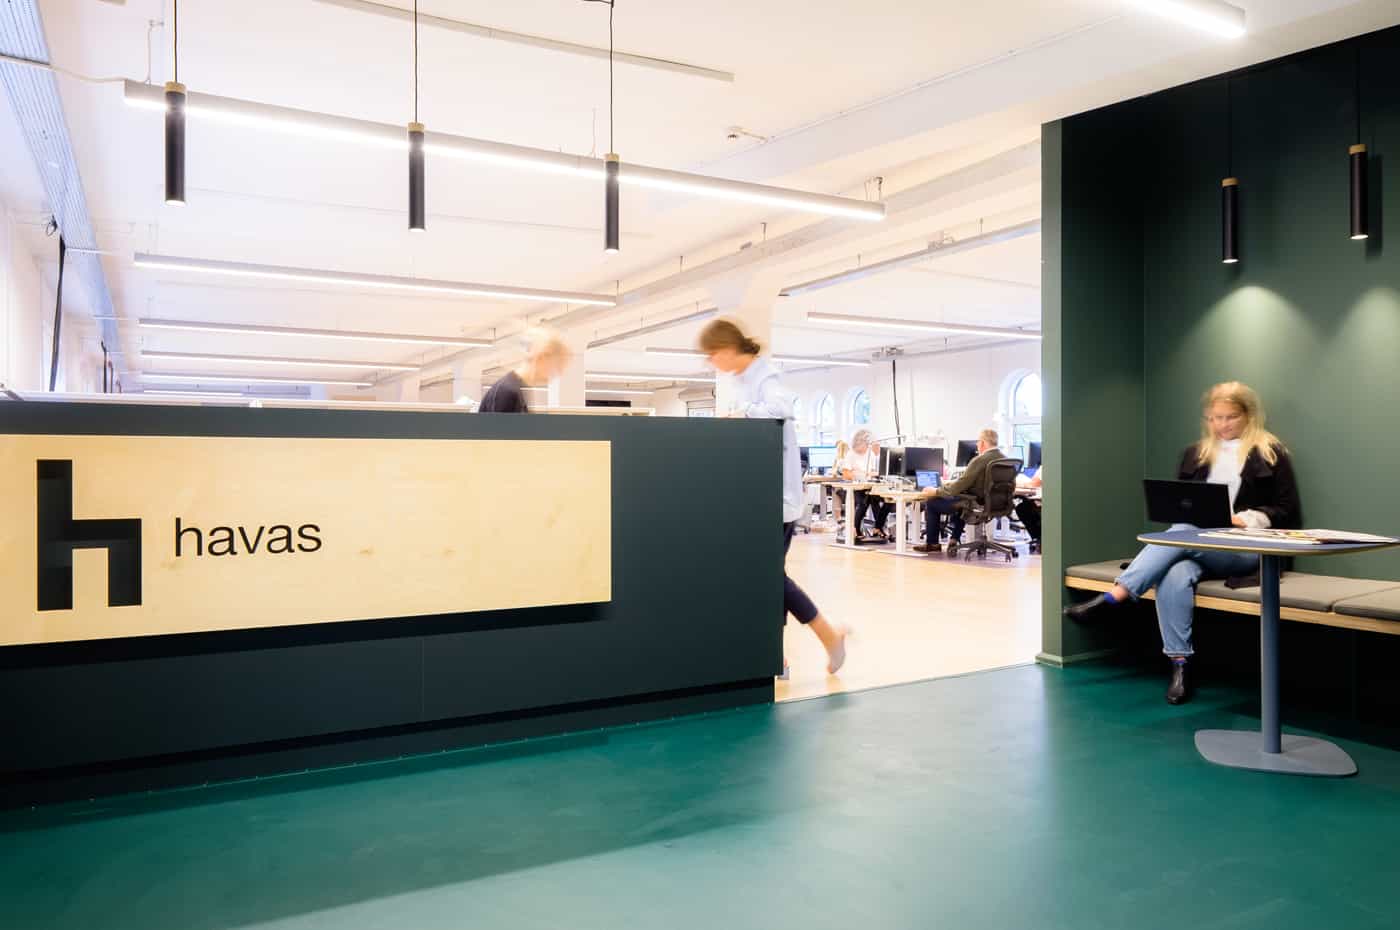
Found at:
(850, 488)
(822, 482)
(902, 499)
(1269, 750)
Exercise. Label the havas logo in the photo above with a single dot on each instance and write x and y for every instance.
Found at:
(60, 534)
(231, 540)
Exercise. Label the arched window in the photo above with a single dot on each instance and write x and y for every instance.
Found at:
(824, 420)
(1026, 404)
(860, 408)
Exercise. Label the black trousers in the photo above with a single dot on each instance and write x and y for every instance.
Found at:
(795, 600)
(1028, 512)
(877, 505)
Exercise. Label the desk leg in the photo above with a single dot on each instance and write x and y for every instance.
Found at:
(901, 535)
(847, 520)
(1270, 749)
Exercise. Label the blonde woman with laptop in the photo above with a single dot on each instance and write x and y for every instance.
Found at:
(1236, 450)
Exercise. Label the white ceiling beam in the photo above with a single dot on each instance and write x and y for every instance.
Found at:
(522, 38)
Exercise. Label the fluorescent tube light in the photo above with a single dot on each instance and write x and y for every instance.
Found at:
(922, 325)
(649, 376)
(1214, 16)
(626, 391)
(246, 379)
(694, 317)
(353, 279)
(269, 360)
(255, 329)
(384, 135)
(818, 360)
(780, 359)
(193, 393)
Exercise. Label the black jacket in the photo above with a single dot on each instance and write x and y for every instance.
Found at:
(1270, 489)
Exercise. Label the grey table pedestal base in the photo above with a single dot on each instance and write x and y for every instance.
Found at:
(1300, 755)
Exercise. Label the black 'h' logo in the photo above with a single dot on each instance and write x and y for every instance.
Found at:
(60, 534)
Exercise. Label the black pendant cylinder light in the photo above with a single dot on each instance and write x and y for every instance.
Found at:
(1360, 221)
(610, 205)
(1230, 220)
(416, 211)
(175, 124)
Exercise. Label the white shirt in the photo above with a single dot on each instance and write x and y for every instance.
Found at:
(759, 394)
(1225, 469)
(861, 464)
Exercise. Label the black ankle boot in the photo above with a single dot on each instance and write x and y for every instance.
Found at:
(1178, 692)
(1086, 610)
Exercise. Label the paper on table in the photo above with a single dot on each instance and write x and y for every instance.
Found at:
(1343, 536)
(1299, 537)
(1262, 536)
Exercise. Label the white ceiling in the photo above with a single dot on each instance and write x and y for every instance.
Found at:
(908, 90)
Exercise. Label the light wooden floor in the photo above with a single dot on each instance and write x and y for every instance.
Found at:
(914, 618)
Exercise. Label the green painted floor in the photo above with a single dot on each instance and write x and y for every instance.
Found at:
(1023, 798)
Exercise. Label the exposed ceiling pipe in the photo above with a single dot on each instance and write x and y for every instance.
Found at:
(654, 328)
(934, 250)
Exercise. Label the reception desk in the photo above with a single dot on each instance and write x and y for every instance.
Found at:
(198, 593)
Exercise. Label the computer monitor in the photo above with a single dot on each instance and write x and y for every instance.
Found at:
(804, 454)
(892, 461)
(1018, 453)
(821, 458)
(1033, 457)
(928, 479)
(922, 458)
(967, 451)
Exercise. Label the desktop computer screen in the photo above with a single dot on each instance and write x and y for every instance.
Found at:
(928, 479)
(921, 458)
(1033, 457)
(967, 451)
(1018, 453)
(821, 458)
(892, 461)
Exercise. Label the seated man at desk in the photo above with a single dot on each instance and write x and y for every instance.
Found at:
(947, 501)
(862, 463)
(1028, 507)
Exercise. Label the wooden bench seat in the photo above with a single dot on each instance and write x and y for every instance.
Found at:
(1349, 603)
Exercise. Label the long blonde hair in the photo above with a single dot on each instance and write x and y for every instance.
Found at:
(841, 449)
(1255, 437)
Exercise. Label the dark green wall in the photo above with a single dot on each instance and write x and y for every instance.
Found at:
(1093, 362)
(694, 624)
(1141, 316)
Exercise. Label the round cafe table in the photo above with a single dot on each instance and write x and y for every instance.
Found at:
(1269, 749)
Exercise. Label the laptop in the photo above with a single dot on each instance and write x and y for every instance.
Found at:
(927, 479)
(1198, 503)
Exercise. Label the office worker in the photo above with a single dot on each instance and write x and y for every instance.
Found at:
(757, 393)
(1028, 508)
(862, 463)
(946, 502)
(546, 357)
(1235, 450)
(838, 500)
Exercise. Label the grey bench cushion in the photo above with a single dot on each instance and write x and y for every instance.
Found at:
(1296, 589)
(1381, 605)
(1097, 571)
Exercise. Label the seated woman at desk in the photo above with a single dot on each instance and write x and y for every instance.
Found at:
(1235, 450)
(862, 463)
(838, 501)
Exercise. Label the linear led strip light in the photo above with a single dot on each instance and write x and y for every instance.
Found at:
(601, 391)
(247, 379)
(391, 136)
(255, 329)
(269, 360)
(780, 359)
(217, 394)
(1214, 16)
(355, 279)
(922, 325)
(627, 377)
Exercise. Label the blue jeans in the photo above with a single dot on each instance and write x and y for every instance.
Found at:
(1174, 573)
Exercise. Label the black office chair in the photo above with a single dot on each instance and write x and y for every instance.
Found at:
(994, 500)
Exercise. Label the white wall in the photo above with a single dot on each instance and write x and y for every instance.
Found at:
(957, 394)
(21, 312)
